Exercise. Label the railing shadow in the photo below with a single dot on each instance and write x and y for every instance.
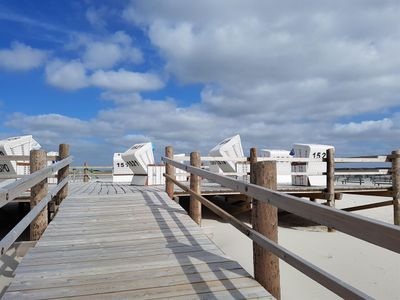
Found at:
(8, 264)
(167, 231)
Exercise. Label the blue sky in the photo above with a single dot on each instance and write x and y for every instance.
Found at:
(103, 75)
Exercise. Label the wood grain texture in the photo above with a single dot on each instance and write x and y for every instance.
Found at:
(265, 221)
(127, 242)
(330, 179)
(85, 172)
(170, 170)
(195, 185)
(396, 186)
(38, 161)
(329, 281)
(376, 232)
(62, 173)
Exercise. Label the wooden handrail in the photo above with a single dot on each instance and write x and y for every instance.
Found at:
(12, 236)
(376, 232)
(91, 167)
(365, 159)
(245, 159)
(14, 189)
(329, 281)
(43, 203)
(360, 159)
(23, 157)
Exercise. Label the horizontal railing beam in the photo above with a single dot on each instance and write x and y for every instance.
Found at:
(373, 231)
(91, 167)
(23, 157)
(16, 188)
(365, 159)
(368, 206)
(12, 236)
(245, 159)
(350, 172)
(361, 159)
(327, 280)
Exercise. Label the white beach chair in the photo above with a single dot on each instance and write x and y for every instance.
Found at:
(283, 168)
(122, 173)
(228, 148)
(19, 145)
(312, 151)
(138, 157)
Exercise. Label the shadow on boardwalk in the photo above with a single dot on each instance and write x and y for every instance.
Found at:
(188, 255)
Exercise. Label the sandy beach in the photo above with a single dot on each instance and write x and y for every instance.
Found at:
(372, 269)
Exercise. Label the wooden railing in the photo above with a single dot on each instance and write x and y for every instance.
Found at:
(21, 160)
(85, 172)
(41, 199)
(393, 185)
(266, 201)
(353, 175)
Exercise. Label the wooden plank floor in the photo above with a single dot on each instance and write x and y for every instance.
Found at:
(210, 188)
(114, 242)
(109, 188)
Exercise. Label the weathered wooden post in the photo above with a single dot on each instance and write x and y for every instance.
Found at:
(252, 160)
(85, 172)
(62, 173)
(169, 170)
(38, 161)
(330, 179)
(253, 156)
(195, 183)
(265, 221)
(396, 186)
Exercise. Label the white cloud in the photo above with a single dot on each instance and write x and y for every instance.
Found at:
(194, 129)
(72, 75)
(101, 55)
(21, 57)
(275, 72)
(308, 61)
(123, 80)
(66, 75)
(106, 52)
(56, 123)
(365, 127)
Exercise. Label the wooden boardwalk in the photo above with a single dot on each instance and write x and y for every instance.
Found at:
(210, 188)
(122, 242)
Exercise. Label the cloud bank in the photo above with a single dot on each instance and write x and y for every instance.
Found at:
(276, 73)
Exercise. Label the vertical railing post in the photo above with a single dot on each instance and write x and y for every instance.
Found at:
(396, 186)
(85, 172)
(38, 161)
(265, 221)
(252, 160)
(253, 156)
(330, 179)
(169, 170)
(195, 183)
(63, 152)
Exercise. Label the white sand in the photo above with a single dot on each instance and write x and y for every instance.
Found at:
(374, 270)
